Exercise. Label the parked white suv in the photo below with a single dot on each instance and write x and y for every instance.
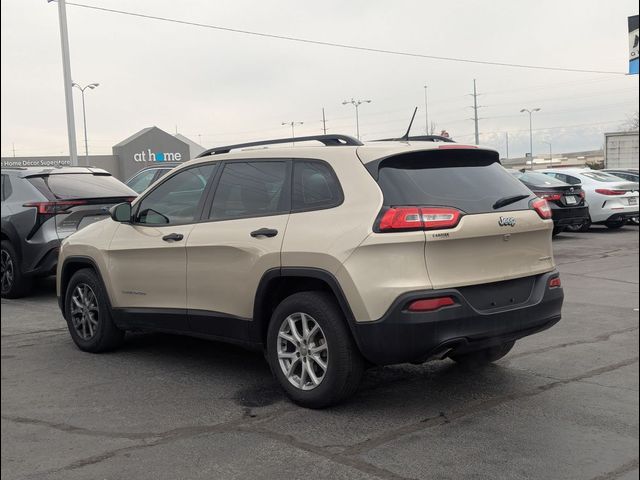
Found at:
(612, 200)
(329, 258)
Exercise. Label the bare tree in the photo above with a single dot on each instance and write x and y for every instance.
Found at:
(632, 123)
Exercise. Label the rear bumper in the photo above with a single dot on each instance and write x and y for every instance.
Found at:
(619, 217)
(570, 216)
(401, 336)
(612, 211)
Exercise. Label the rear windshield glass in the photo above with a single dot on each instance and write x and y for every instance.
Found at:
(538, 179)
(80, 185)
(601, 177)
(471, 181)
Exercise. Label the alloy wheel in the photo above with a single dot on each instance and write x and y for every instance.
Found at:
(302, 350)
(7, 271)
(84, 311)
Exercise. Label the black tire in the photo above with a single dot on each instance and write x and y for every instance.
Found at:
(14, 283)
(558, 230)
(106, 336)
(480, 358)
(344, 364)
(616, 225)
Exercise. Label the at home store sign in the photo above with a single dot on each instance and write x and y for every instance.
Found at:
(151, 156)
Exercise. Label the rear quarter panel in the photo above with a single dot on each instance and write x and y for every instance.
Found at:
(324, 239)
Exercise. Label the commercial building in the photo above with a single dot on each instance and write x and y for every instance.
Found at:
(148, 146)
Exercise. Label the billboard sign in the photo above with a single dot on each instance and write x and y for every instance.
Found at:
(633, 45)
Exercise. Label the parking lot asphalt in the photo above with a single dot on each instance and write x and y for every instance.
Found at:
(562, 405)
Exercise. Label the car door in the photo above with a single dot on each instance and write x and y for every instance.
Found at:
(147, 258)
(228, 254)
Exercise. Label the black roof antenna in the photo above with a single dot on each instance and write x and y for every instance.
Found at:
(405, 137)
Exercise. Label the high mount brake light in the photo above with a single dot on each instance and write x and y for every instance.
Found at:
(456, 147)
(607, 191)
(54, 208)
(541, 206)
(419, 218)
(552, 197)
(430, 304)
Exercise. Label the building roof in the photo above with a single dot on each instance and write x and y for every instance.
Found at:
(134, 136)
(195, 149)
(145, 131)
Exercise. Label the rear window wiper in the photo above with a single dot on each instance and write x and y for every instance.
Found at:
(504, 201)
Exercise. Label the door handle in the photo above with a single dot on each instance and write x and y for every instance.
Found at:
(173, 237)
(265, 232)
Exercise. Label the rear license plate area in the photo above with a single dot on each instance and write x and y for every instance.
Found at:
(490, 296)
(633, 201)
(571, 200)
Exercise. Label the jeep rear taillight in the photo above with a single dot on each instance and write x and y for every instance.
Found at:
(418, 218)
(541, 206)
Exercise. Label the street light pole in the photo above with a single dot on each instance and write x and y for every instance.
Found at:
(293, 128)
(550, 153)
(530, 112)
(426, 112)
(84, 117)
(66, 75)
(356, 104)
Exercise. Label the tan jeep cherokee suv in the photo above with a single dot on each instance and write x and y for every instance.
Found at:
(330, 258)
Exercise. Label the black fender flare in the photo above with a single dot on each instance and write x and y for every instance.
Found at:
(262, 292)
(64, 277)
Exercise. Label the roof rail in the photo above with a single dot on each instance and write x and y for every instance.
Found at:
(327, 140)
(419, 138)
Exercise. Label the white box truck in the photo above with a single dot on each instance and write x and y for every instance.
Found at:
(621, 150)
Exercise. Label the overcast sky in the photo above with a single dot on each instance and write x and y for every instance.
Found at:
(220, 87)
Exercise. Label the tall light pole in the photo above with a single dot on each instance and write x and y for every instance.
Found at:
(550, 153)
(530, 112)
(356, 103)
(84, 117)
(426, 112)
(293, 128)
(66, 74)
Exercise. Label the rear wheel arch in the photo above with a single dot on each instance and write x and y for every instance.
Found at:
(9, 235)
(72, 265)
(279, 283)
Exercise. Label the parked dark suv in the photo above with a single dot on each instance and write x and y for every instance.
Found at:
(42, 206)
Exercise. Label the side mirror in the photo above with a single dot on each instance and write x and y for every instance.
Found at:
(121, 212)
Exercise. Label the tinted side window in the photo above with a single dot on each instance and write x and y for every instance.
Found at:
(573, 180)
(177, 200)
(4, 177)
(7, 188)
(251, 189)
(142, 180)
(315, 186)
